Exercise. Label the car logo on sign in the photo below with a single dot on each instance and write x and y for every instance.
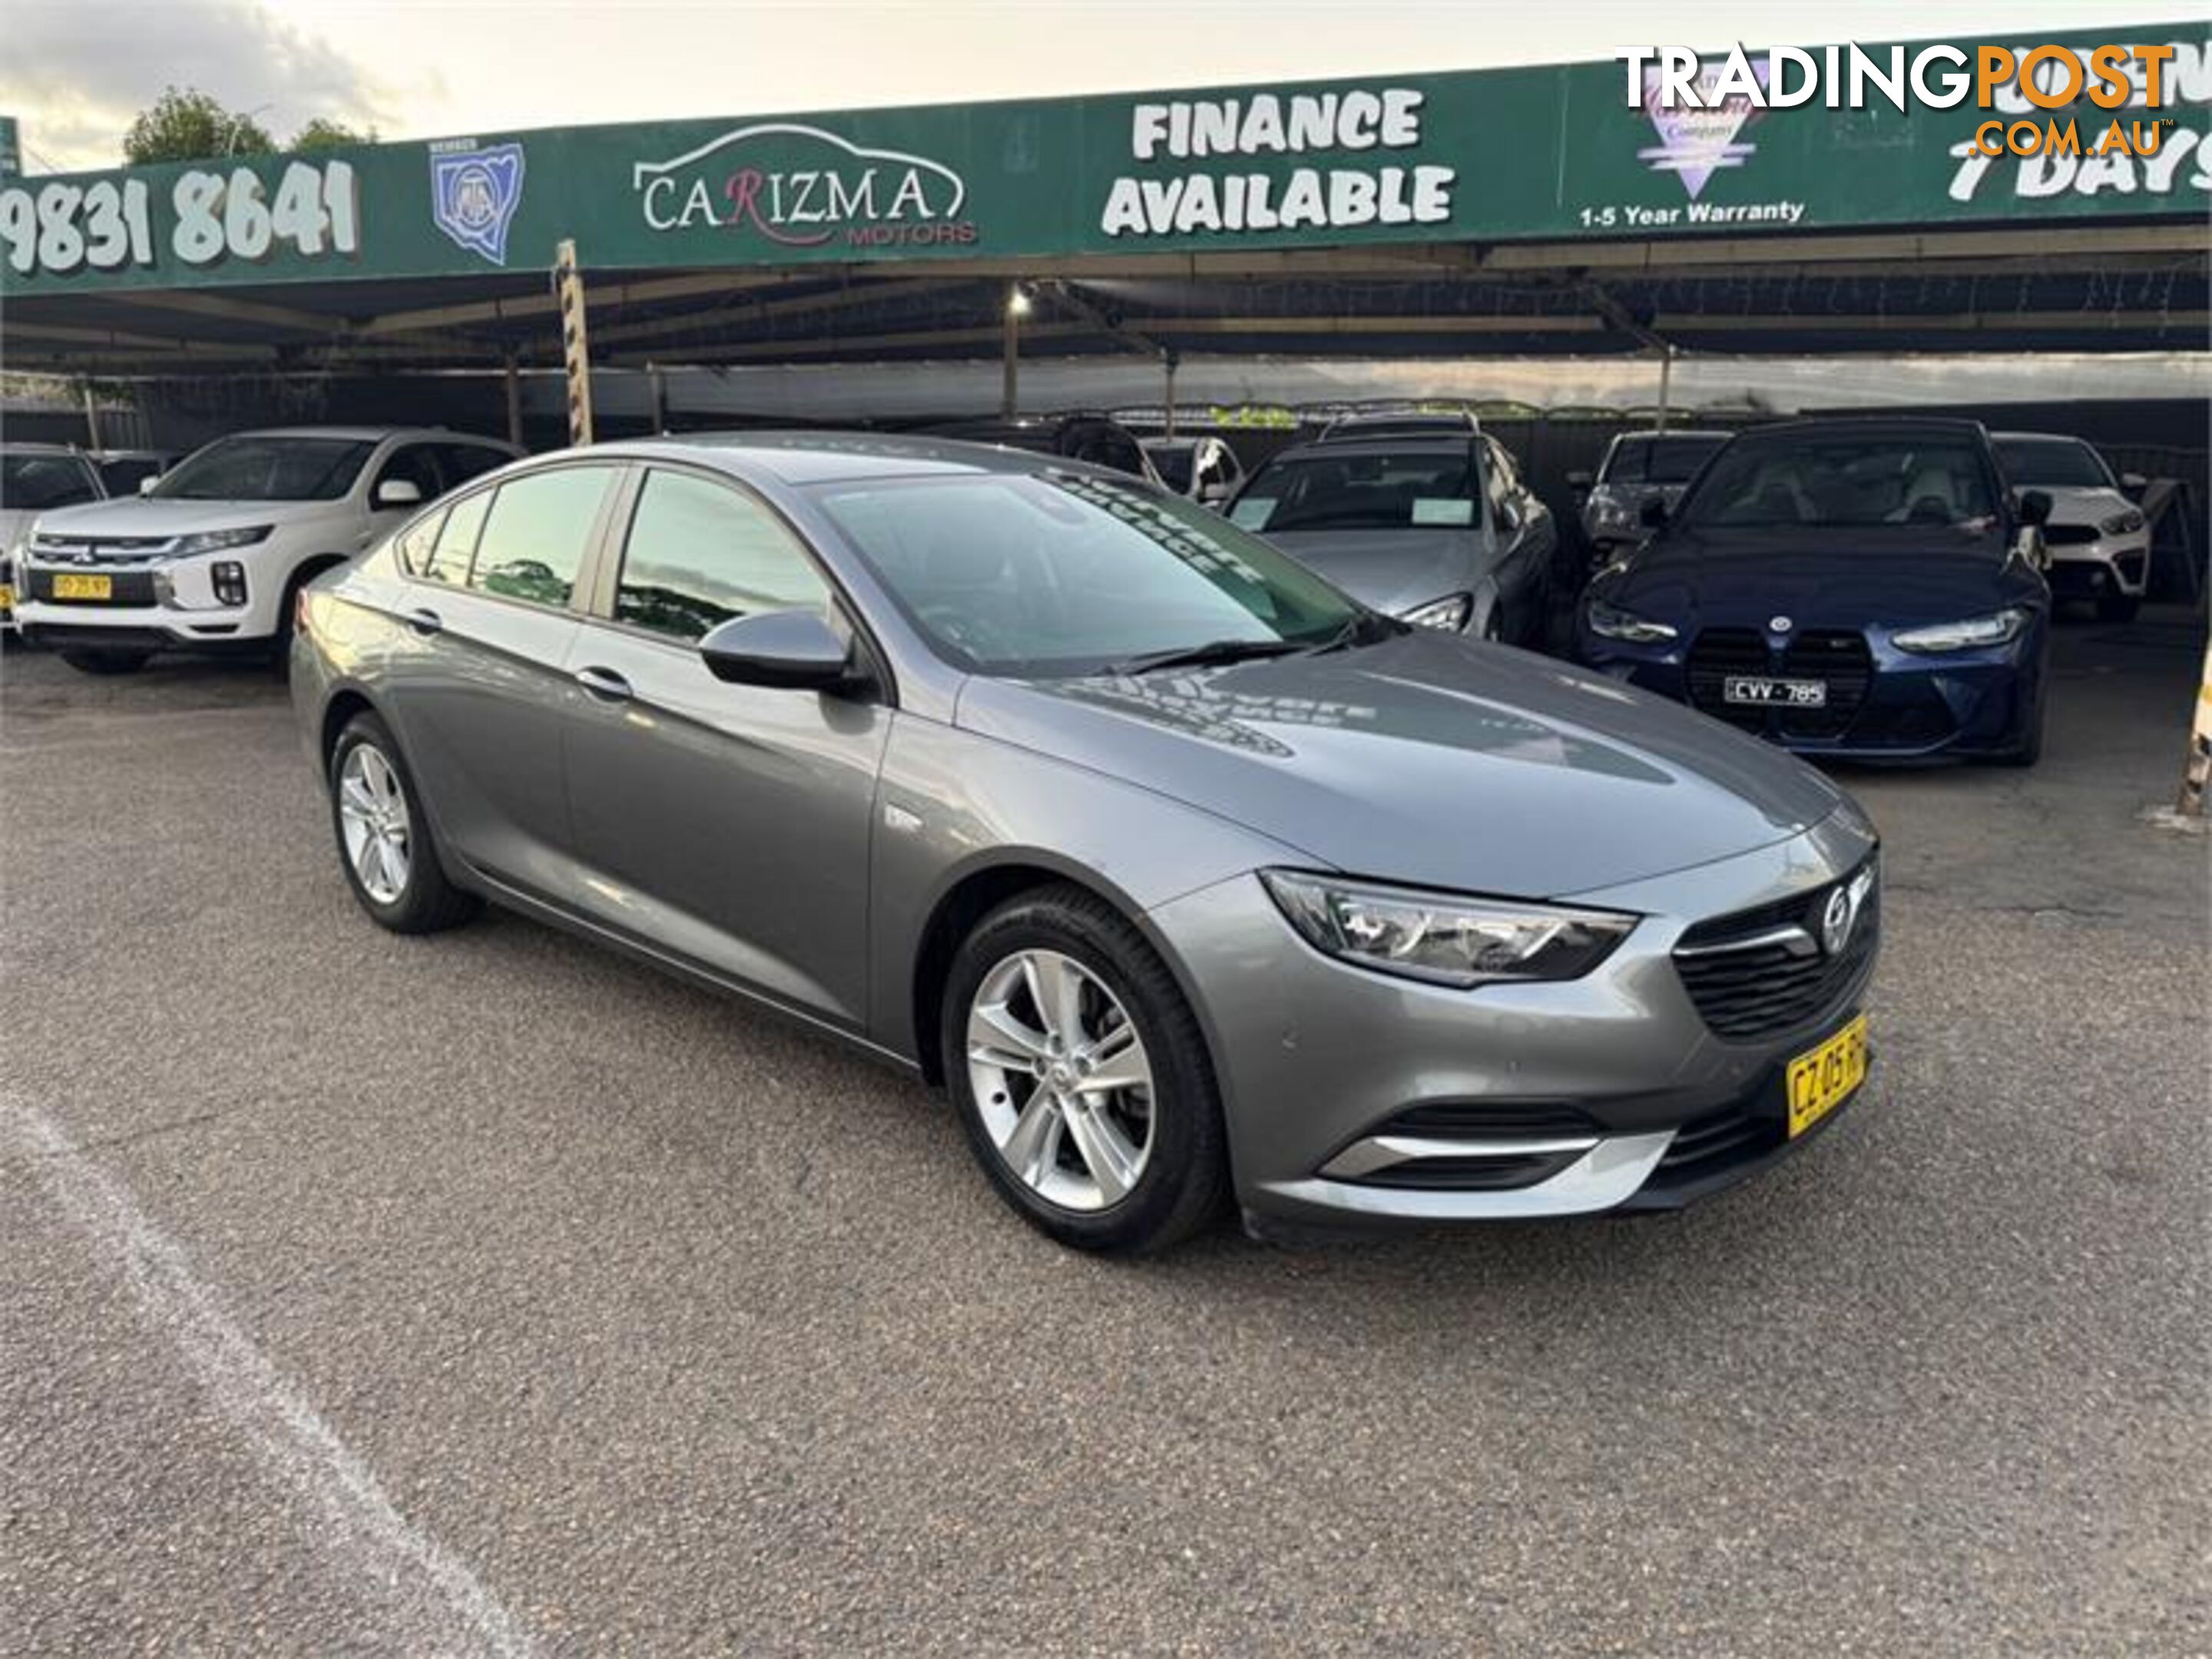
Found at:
(474, 194)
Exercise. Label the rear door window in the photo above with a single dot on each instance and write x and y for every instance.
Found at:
(535, 535)
(454, 542)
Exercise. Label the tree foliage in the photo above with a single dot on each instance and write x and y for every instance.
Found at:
(187, 124)
(323, 134)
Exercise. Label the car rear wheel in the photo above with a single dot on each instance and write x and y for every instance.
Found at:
(383, 839)
(1081, 1077)
(105, 662)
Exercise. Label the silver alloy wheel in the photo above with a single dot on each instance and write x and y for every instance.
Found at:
(373, 819)
(1061, 1079)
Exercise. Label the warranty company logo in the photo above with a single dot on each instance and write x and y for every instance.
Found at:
(474, 193)
(1695, 144)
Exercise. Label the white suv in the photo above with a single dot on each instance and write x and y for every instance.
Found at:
(2099, 540)
(213, 553)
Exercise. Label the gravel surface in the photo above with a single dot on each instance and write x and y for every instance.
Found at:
(486, 1293)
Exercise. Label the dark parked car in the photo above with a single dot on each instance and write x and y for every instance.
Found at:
(1639, 465)
(1438, 529)
(1095, 439)
(1184, 873)
(1867, 589)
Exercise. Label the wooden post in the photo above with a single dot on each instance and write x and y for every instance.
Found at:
(1167, 363)
(1666, 380)
(513, 400)
(657, 387)
(1010, 388)
(575, 342)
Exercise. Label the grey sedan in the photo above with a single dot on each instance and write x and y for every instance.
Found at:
(1186, 875)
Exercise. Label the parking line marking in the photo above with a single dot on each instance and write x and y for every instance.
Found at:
(447, 1608)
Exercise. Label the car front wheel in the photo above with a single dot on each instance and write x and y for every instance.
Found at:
(383, 839)
(1081, 1076)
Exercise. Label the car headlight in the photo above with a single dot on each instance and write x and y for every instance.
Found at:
(1444, 940)
(214, 541)
(1449, 613)
(1611, 510)
(1973, 633)
(1615, 623)
(2123, 523)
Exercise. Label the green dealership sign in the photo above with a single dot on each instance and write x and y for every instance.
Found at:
(1548, 153)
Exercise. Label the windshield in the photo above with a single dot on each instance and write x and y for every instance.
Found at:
(1173, 462)
(252, 469)
(1656, 460)
(2066, 463)
(32, 483)
(1843, 483)
(1044, 576)
(1424, 488)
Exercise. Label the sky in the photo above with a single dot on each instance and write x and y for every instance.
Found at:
(76, 71)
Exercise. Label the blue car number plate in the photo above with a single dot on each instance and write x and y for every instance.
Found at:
(1759, 692)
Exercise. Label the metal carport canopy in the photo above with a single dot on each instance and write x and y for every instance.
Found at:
(1519, 211)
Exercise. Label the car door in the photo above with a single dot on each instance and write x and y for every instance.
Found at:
(479, 686)
(728, 824)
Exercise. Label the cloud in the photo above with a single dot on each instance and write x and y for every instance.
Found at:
(77, 73)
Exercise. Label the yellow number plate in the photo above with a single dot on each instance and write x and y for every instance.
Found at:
(84, 588)
(1825, 1078)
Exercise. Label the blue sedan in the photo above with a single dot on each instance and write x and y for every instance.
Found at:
(1862, 589)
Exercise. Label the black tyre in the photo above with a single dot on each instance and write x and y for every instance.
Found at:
(383, 839)
(89, 661)
(1081, 1076)
(2117, 608)
(2029, 748)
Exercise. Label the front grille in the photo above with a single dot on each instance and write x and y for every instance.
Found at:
(127, 587)
(1838, 658)
(2068, 535)
(1749, 985)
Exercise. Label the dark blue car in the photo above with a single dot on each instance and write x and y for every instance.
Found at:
(1854, 588)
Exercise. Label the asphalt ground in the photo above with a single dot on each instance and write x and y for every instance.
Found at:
(489, 1293)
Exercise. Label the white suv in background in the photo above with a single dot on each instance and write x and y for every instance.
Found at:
(2099, 540)
(211, 554)
(37, 478)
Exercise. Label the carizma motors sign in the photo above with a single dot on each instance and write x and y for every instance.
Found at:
(801, 187)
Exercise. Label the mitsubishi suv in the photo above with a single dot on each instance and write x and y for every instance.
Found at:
(212, 555)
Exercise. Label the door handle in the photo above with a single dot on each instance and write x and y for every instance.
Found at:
(425, 621)
(604, 683)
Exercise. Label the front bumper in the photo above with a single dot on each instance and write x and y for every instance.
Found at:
(2110, 566)
(1901, 706)
(1607, 1092)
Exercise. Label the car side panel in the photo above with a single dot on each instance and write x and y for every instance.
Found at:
(955, 804)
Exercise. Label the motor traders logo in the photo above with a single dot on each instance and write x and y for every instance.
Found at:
(1697, 140)
(474, 193)
(801, 187)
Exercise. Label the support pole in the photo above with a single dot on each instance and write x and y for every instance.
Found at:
(91, 416)
(575, 342)
(656, 392)
(1010, 391)
(1665, 381)
(514, 378)
(2198, 774)
(1168, 364)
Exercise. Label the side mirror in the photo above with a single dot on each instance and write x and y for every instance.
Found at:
(2134, 481)
(1213, 494)
(2034, 506)
(146, 485)
(396, 492)
(1578, 481)
(1652, 512)
(791, 650)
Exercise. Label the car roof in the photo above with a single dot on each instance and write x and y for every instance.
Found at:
(1380, 443)
(1672, 432)
(809, 457)
(2041, 438)
(1450, 423)
(369, 434)
(1868, 426)
(13, 448)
